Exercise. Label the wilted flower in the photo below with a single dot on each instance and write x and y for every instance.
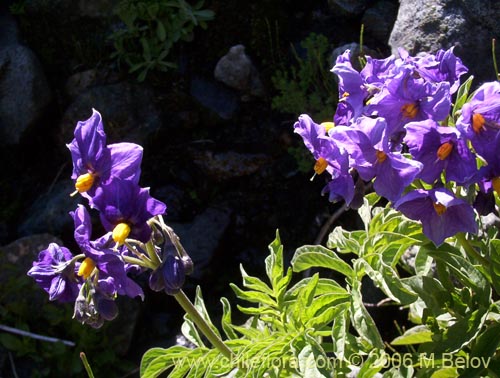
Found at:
(96, 303)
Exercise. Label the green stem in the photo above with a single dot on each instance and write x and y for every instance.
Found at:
(150, 248)
(493, 45)
(143, 263)
(86, 365)
(202, 325)
(470, 250)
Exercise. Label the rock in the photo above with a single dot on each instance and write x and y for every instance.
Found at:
(215, 97)
(25, 92)
(202, 237)
(128, 112)
(69, 11)
(9, 31)
(236, 70)
(24, 251)
(431, 25)
(222, 166)
(79, 82)
(379, 19)
(50, 212)
(349, 7)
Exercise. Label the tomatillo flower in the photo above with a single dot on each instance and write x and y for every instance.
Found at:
(125, 208)
(54, 272)
(442, 214)
(94, 163)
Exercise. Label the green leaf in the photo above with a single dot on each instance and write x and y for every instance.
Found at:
(485, 347)
(495, 264)
(459, 334)
(190, 332)
(373, 364)
(253, 296)
(156, 360)
(362, 320)
(416, 335)
(467, 274)
(324, 286)
(274, 262)
(255, 283)
(387, 279)
(308, 359)
(462, 94)
(340, 328)
(317, 256)
(431, 291)
(142, 75)
(146, 51)
(11, 342)
(345, 241)
(226, 319)
(161, 33)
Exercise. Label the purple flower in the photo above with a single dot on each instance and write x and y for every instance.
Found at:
(371, 155)
(443, 66)
(329, 157)
(94, 163)
(442, 214)
(377, 71)
(351, 88)
(125, 209)
(54, 272)
(440, 149)
(406, 98)
(99, 255)
(480, 120)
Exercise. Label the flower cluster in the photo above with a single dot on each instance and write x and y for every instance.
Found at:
(393, 127)
(136, 238)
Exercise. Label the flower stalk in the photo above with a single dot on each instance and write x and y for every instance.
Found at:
(202, 325)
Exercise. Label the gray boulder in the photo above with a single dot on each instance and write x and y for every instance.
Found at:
(202, 236)
(236, 70)
(24, 89)
(348, 7)
(50, 212)
(128, 111)
(430, 25)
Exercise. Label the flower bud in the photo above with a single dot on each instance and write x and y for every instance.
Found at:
(156, 282)
(173, 274)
